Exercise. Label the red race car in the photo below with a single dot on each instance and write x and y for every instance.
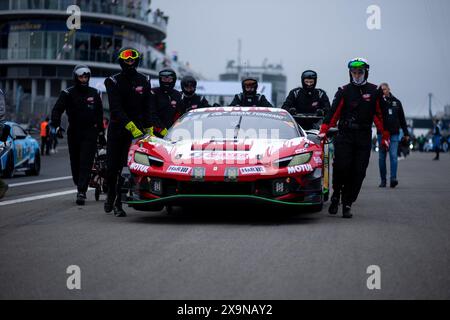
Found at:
(230, 154)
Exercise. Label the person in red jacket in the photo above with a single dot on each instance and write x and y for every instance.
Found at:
(355, 107)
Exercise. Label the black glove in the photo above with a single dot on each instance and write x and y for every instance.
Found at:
(293, 111)
(59, 133)
(320, 113)
(101, 139)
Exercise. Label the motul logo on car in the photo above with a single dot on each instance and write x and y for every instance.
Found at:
(300, 168)
(139, 167)
(176, 169)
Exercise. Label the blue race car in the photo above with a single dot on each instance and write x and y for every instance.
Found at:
(20, 153)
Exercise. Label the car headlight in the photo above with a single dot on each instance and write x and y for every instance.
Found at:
(300, 159)
(293, 160)
(147, 160)
(141, 158)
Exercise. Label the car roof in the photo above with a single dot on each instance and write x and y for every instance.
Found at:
(237, 109)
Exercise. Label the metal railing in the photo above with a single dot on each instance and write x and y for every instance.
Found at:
(125, 8)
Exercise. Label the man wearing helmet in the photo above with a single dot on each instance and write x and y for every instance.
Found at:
(249, 96)
(167, 103)
(355, 107)
(307, 99)
(129, 95)
(84, 110)
(189, 99)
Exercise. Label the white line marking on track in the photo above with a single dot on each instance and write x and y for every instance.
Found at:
(38, 181)
(43, 196)
(40, 197)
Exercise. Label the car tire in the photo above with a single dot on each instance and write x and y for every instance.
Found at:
(9, 169)
(36, 169)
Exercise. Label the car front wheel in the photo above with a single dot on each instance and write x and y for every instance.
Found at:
(36, 168)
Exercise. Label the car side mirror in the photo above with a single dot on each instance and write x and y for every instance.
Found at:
(312, 131)
(332, 132)
(313, 137)
(20, 137)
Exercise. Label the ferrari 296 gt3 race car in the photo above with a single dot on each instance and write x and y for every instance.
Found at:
(231, 154)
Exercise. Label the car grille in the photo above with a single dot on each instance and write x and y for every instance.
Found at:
(224, 188)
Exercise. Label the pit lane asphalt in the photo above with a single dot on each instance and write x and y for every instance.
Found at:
(238, 255)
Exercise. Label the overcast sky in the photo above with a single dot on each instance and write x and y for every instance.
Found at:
(411, 51)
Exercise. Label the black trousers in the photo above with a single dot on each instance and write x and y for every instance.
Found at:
(45, 145)
(118, 144)
(82, 146)
(351, 157)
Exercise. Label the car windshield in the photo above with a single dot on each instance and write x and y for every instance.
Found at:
(232, 125)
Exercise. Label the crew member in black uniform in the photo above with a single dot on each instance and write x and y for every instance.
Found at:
(84, 109)
(355, 107)
(189, 99)
(249, 96)
(167, 103)
(308, 100)
(129, 95)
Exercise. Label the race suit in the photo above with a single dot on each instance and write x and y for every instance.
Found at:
(129, 95)
(354, 109)
(84, 110)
